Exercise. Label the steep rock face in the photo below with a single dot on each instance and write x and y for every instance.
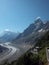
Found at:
(32, 28)
(38, 24)
(33, 32)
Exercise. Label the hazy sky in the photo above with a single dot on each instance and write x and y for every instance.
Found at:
(16, 15)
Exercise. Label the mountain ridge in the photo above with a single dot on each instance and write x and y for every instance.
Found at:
(7, 36)
(32, 31)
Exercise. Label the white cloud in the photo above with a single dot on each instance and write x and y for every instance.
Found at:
(7, 30)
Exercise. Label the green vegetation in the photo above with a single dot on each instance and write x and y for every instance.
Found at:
(42, 55)
(43, 43)
(28, 59)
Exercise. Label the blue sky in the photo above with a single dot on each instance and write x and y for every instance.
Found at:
(16, 15)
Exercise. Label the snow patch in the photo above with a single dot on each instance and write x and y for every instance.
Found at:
(40, 30)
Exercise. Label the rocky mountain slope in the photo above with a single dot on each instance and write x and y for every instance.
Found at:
(31, 34)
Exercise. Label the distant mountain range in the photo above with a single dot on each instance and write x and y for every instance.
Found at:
(7, 36)
(31, 34)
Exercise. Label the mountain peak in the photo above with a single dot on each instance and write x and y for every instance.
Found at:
(8, 36)
(38, 21)
(38, 18)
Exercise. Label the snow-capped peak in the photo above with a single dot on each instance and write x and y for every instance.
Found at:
(38, 21)
(6, 32)
(38, 18)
